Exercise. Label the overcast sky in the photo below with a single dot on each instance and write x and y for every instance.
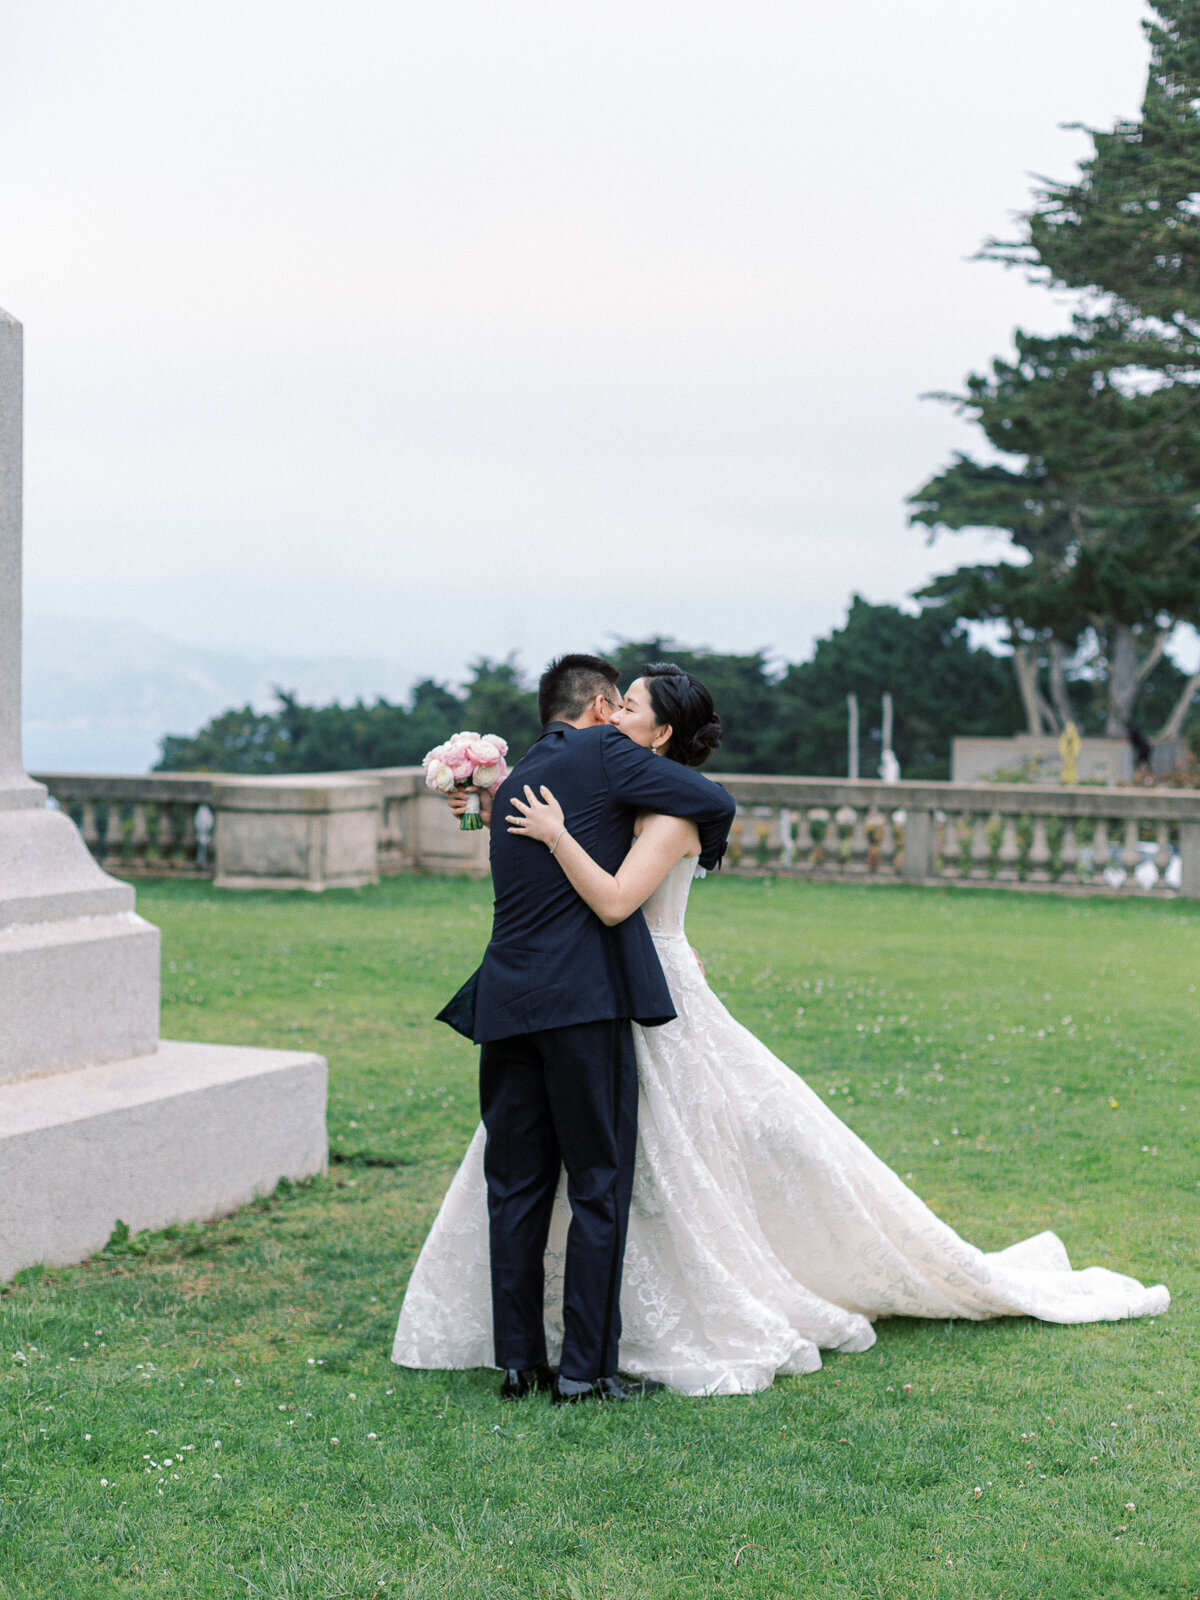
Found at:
(424, 330)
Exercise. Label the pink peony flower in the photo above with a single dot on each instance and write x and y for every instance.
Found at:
(466, 759)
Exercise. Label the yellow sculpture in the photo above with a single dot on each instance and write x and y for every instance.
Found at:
(1069, 744)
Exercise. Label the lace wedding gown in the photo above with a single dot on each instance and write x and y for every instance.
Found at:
(762, 1229)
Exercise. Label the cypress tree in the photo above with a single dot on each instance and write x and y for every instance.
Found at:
(1129, 226)
(1105, 420)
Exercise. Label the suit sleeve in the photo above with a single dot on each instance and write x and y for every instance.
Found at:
(649, 783)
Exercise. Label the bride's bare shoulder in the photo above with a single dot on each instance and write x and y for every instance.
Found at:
(678, 829)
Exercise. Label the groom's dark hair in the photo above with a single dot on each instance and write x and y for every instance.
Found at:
(570, 684)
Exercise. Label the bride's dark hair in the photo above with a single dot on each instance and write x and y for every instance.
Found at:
(685, 704)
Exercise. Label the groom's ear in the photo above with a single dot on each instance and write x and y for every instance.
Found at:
(602, 709)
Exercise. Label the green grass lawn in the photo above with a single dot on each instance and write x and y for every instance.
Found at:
(212, 1411)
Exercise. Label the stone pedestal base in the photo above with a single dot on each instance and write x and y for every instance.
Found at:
(81, 990)
(188, 1132)
(78, 966)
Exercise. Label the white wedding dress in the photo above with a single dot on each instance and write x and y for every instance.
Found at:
(762, 1229)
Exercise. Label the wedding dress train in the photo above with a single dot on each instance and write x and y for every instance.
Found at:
(762, 1229)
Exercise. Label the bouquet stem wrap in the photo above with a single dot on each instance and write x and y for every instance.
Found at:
(471, 819)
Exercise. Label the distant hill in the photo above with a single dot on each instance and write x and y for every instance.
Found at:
(99, 696)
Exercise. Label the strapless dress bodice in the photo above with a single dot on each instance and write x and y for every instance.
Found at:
(666, 908)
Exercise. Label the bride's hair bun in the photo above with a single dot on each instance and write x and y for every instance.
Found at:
(704, 741)
(685, 704)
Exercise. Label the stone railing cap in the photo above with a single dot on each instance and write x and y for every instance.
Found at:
(1051, 799)
(396, 781)
(319, 791)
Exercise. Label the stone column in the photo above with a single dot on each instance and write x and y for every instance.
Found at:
(78, 967)
(15, 788)
(99, 1120)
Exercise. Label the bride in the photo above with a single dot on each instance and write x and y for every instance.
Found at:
(762, 1230)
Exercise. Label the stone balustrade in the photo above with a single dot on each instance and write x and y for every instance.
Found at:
(157, 823)
(1085, 839)
(181, 824)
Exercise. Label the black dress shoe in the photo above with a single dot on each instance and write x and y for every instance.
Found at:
(520, 1381)
(569, 1391)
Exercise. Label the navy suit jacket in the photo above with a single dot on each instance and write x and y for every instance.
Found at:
(551, 962)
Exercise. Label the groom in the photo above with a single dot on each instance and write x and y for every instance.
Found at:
(556, 994)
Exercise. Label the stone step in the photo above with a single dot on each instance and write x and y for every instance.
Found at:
(187, 1132)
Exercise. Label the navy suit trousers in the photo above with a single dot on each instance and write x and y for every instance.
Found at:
(560, 1097)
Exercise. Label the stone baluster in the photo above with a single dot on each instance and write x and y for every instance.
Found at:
(829, 854)
(1068, 854)
(1162, 856)
(114, 837)
(733, 845)
(1039, 853)
(1131, 856)
(873, 823)
(139, 837)
(966, 852)
(802, 843)
(981, 849)
(887, 847)
(1101, 849)
(952, 844)
(778, 839)
(762, 840)
(164, 840)
(206, 821)
(834, 839)
(187, 839)
(860, 844)
(831, 843)
(88, 828)
(1010, 851)
(943, 823)
(787, 850)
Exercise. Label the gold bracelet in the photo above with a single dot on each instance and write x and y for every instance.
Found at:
(557, 837)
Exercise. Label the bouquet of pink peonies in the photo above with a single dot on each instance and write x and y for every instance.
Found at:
(467, 761)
